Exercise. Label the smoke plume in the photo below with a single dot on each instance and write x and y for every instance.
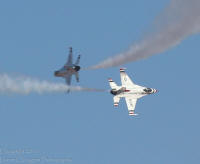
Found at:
(180, 19)
(26, 85)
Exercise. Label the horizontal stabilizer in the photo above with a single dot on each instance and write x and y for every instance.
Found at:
(116, 100)
(113, 85)
(78, 60)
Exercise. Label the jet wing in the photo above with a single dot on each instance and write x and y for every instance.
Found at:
(125, 79)
(68, 79)
(70, 58)
(131, 103)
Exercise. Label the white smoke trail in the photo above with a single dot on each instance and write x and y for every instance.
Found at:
(26, 85)
(180, 19)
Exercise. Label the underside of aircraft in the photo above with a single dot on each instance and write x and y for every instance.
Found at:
(69, 69)
(128, 90)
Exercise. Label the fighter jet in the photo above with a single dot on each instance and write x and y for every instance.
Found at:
(69, 69)
(130, 91)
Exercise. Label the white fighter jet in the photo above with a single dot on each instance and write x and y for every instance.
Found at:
(130, 91)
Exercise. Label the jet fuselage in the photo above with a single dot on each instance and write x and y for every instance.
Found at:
(123, 91)
(66, 70)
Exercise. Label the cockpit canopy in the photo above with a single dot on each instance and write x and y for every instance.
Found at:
(148, 90)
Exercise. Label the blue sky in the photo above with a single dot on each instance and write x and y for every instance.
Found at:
(35, 36)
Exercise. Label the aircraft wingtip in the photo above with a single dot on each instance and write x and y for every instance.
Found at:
(110, 80)
(132, 114)
(122, 69)
(116, 104)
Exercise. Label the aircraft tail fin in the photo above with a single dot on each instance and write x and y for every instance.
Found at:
(113, 85)
(78, 60)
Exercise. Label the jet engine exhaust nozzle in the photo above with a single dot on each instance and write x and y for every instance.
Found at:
(77, 68)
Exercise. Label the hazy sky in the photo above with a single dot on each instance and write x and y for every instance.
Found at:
(35, 36)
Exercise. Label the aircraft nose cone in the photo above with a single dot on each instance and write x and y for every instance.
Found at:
(56, 73)
(155, 90)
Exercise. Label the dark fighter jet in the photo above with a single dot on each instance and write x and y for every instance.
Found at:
(69, 69)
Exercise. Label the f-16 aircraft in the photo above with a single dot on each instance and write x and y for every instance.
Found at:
(130, 91)
(69, 69)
